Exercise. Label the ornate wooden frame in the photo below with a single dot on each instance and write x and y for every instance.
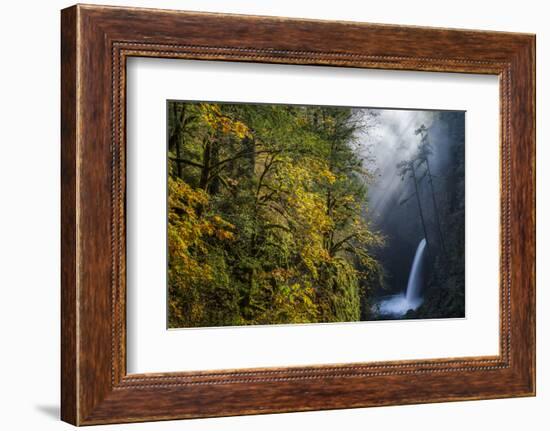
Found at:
(95, 43)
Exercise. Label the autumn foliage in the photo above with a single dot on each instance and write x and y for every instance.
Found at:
(267, 216)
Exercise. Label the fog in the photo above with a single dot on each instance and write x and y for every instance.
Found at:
(390, 139)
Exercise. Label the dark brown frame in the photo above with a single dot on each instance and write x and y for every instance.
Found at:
(95, 43)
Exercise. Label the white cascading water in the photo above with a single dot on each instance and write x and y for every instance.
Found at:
(415, 277)
(398, 305)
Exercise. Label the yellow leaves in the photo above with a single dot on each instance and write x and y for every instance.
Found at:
(313, 172)
(184, 204)
(292, 303)
(210, 114)
(328, 175)
(302, 203)
(313, 255)
(217, 121)
(347, 199)
(240, 129)
(182, 196)
(188, 229)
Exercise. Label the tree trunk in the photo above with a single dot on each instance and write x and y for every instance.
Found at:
(436, 210)
(250, 146)
(206, 162)
(417, 194)
(176, 138)
(181, 140)
(214, 185)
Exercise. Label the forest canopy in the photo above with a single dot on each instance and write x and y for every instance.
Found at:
(267, 215)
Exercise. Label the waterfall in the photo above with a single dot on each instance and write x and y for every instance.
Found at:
(415, 276)
(398, 305)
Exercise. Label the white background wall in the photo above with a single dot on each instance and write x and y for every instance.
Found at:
(29, 215)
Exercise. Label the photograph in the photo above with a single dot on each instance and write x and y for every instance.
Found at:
(298, 214)
(275, 215)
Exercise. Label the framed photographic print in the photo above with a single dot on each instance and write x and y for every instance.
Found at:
(267, 215)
